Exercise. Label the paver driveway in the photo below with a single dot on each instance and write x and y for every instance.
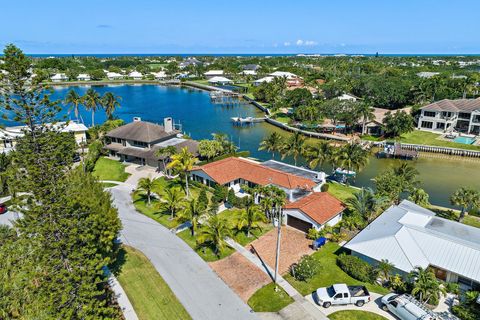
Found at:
(240, 274)
(293, 246)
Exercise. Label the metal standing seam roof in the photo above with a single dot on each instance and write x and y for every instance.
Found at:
(408, 235)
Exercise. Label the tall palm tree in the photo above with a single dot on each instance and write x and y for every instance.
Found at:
(250, 218)
(74, 99)
(294, 146)
(467, 198)
(214, 231)
(408, 174)
(193, 212)
(92, 102)
(184, 162)
(110, 102)
(147, 185)
(172, 200)
(366, 112)
(385, 267)
(363, 203)
(165, 152)
(272, 143)
(318, 154)
(353, 156)
(426, 285)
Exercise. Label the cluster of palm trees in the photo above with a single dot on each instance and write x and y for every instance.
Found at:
(467, 199)
(92, 101)
(350, 156)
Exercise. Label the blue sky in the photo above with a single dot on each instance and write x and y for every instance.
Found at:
(242, 26)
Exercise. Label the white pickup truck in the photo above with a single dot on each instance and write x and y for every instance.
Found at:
(406, 307)
(341, 294)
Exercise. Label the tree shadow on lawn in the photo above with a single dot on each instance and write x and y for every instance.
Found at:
(119, 260)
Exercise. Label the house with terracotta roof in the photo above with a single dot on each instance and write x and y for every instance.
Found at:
(139, 141)
(313, 211)
(462, 115)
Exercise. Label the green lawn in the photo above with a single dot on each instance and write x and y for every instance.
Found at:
(431, 139)
(147, 291)
(206, 253)
(108, 169)
(329, 273)
(355, 315)
(241, 236)
(340, 191)
(153, 211)
(266, 299)
(108, 184)
(472, 221)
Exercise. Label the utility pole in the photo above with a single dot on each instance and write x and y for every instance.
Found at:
(279, 234)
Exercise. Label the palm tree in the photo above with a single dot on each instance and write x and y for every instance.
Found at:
(318, 153)
(165, 152)
(250, 218)
(92, 102)
(426, 285)
(408, 174)
(75, 100)
(110, 103)
(172, 200)
(193, 212)
(366, 112)
(214, 231)
(467, 198)
(363, 203)
(272, 143)
(184, 162)
(419, 196)
(353, 156)
(385, 268)
(294, 146)
(147, 185)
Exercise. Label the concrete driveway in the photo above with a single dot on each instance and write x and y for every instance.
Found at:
(374, 306)
(203, 294)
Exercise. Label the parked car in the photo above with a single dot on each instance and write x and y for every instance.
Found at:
(340, 293)
(3, 208)
(406, 307)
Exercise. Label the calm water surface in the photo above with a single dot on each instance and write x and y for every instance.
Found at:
(200, 118)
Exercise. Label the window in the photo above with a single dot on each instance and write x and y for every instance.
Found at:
(345, 295)
(447, 114)
(429, 113)
(139, 144)
(464, 115)
(338, 296)
(440, 125)
(394, 304)
(427, 124)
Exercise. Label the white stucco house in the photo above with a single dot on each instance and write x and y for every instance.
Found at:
(219, 81)
(135, 75)
(114, 76)
(83, 77)
(213, 73)
(59, 77)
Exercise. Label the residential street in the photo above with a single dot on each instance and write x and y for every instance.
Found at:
(203, 294)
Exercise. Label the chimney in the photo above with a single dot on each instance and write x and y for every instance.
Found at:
(168, 124)
(136, 119)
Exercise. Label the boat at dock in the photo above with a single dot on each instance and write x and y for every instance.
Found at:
(395, 150)
(247, 120)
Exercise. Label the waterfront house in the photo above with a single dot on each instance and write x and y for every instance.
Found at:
(262, 80)
(213, 73)
(314, 211)
(159, 75)
(135, 75)
(292, 79)
(307, 207)
(219, 81)
(59, 77)
(138, 141)
(8, 135)
(462, 115)
(83, 77)
(375, 126)
(408, 236)
(114, 76)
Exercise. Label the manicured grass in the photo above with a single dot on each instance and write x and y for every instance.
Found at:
(266, 299)
(240, 236)
(372, 138)
(472, 221)
(431, 139)
(153, 211)
(340, 191)
(147, 291)
(329, 273)
(108, 169)
(108, 184)
(206, 253)
(355, 315)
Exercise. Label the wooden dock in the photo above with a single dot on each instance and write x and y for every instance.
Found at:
(395, 150)
(238, 121)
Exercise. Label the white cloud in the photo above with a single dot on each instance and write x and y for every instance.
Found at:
(286, 44)
(310, 43)
(299, 42)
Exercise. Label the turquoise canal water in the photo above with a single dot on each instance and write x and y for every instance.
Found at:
(440, 176)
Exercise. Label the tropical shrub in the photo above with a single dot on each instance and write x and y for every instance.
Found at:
(324, 187)
(356, 268)
(219, 193)
(398, 284)
(305, 269)
(313, 234)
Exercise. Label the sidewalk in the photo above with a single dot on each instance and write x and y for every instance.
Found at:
(301, 308)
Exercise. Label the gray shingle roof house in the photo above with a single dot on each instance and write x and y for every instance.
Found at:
(139, 140)
(408, 235)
